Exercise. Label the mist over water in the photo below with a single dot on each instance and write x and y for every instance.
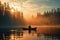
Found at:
(42, 33)
(14, 26)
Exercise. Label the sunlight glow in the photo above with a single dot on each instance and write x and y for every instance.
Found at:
(18, 8)
(12, 10)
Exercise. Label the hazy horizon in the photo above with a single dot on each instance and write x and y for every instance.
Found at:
(31, 7)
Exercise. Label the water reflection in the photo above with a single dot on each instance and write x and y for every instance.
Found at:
(24, 35)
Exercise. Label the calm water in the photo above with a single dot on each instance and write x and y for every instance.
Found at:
(19, 34)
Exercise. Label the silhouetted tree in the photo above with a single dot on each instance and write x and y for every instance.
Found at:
(5, 16)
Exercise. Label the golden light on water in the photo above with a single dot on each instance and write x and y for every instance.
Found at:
(12, 37)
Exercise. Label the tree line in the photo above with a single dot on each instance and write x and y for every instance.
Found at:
(6, 18)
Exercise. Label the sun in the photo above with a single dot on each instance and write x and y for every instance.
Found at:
(12, 10)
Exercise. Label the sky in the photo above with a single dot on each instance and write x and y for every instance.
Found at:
(31, 7)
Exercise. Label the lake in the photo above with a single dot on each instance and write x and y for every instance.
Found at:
(42, 33)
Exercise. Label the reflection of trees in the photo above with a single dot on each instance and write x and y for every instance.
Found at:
(7, 18)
